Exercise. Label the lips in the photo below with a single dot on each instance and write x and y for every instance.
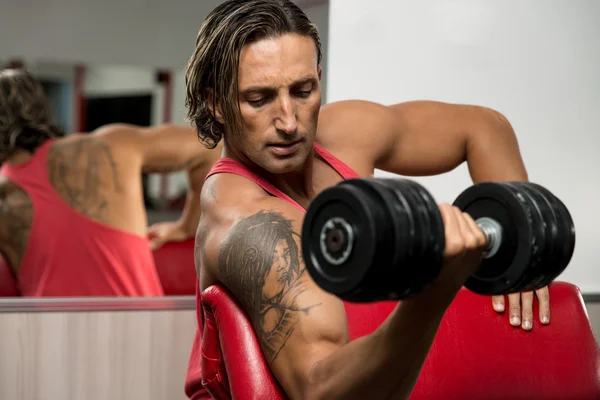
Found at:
(285, 149)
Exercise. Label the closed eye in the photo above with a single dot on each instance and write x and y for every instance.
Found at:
(303, 93)
(257, 103)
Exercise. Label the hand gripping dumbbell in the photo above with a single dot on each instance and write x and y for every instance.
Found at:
(378, 239)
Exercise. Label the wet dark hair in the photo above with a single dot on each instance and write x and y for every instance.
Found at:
(25, 113)
(213, 68)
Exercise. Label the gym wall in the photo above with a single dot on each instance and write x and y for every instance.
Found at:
(536, 62)
(133, 32)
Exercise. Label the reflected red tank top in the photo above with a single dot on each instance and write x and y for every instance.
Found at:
(193, 384)
(69, 254)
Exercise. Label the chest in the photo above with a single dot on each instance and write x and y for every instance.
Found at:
(324, 176)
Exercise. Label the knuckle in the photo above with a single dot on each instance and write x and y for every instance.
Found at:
(471, 243)
(445, 206)
(455, 245)
(527, 295)
(467, 217)
(543, 296)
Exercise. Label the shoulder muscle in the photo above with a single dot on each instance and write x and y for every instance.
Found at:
(256, 252)
(356, 125)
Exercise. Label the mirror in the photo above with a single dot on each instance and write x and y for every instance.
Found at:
(101, 76)
(83, 100)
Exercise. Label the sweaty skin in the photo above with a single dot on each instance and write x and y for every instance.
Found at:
(249, 241)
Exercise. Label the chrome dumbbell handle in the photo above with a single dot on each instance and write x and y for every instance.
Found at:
(493, 235)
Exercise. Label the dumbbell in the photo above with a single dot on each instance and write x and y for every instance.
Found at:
(377, 239)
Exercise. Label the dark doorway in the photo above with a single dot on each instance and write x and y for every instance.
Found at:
(136, 110)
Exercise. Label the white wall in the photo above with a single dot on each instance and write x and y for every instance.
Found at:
(535, 61)
(318, 13)
(154, 33)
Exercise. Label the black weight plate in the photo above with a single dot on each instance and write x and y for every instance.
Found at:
(391, 279)
(433, 255)
(420, 271)
(552, 258)
(541, 243)
(403, 196)
(497, 201)
(411, 266)
(529, 264)
(410, 269)
(356, 207)
(565, 233)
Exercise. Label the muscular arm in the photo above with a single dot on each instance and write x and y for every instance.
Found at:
(428, 138)
(16, 217)
(302, 329)
(168, 148)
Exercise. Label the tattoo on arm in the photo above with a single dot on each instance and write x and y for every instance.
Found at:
(261, 248)
(16, 216)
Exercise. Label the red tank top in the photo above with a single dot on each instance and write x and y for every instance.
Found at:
(69, 254)
(193, 384)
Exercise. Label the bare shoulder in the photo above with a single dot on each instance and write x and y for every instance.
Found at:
(354, 125)
(82, 169)
(16, 214)
(225, 200)
(252, 245)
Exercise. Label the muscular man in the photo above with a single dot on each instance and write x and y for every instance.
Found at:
(281, 148)
(72, 217)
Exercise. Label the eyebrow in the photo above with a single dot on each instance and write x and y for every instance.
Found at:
(265, 89)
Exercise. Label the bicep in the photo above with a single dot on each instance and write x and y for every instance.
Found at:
(412, 138)
(428, 137)
(297, 323)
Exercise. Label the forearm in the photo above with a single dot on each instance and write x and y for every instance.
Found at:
(493, 152)
(190, 215)
(385, 364)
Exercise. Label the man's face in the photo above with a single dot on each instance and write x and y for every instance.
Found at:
(280, 98)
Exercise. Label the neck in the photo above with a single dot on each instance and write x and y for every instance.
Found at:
(19, 157)
(298, 184)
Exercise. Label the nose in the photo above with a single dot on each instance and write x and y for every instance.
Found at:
(286, 120)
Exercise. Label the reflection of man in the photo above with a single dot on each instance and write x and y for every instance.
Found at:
(254, 82)
(72, 217)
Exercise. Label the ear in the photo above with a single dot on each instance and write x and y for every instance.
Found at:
(320, 72)
(215, 106)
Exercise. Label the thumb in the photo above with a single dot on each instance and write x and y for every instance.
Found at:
(156, 243)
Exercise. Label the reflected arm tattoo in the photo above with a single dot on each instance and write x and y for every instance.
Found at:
(261, 264)
(16, 216)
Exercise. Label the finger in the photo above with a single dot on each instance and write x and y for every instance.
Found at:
(451, 231)
(527, 310)
(156, 243)
(465, 230)
(543, 296)
(475, 230)
(498, 303)
(514, 308)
